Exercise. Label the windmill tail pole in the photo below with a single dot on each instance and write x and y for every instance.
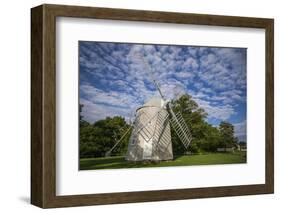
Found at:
(158, 88)
(123, 136)
(150, 73)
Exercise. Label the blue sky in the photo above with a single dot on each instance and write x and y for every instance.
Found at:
(113, 81)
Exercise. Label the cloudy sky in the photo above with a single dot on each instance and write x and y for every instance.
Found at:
(115, 81)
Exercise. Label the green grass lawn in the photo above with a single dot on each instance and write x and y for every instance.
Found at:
(186, 160)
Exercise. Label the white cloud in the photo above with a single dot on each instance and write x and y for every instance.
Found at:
(92, 112)
(99, 104)
(224, 69)
(190, 64)
(216, 111)
(209, 60)
(215, 79)
(183, 75)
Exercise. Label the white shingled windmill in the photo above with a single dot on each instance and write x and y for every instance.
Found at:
(151, 134)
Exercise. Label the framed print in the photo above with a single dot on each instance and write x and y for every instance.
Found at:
(136, 106)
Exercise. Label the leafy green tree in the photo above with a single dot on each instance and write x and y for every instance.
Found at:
(243, 143)
(227, 135)
(80, 111)
(194, 117)
(210, 139)
(206, 138)
(98, 138)
(111, 130)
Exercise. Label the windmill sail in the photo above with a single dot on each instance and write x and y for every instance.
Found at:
(180, 127)
(152, 133)
(145, 130)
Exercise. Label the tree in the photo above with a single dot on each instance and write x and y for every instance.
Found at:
(227, 135)
(98, 138)
(194, 116)
(242, 145)
(111, 130)
(206, 138)
(80, 111)
(211, 139)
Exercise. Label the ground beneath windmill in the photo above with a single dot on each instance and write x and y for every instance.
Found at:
(119, 162)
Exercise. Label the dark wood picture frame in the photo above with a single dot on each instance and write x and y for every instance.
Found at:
(43, 105)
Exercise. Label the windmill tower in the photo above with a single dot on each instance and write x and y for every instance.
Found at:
(151, 135)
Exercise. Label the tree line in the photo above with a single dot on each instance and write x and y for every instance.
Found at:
(98, 138)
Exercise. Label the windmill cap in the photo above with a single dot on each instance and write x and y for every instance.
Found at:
(154, 102)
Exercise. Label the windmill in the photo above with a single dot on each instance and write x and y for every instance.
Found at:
(151, 130)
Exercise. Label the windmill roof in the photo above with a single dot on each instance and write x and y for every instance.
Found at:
(154, 102)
